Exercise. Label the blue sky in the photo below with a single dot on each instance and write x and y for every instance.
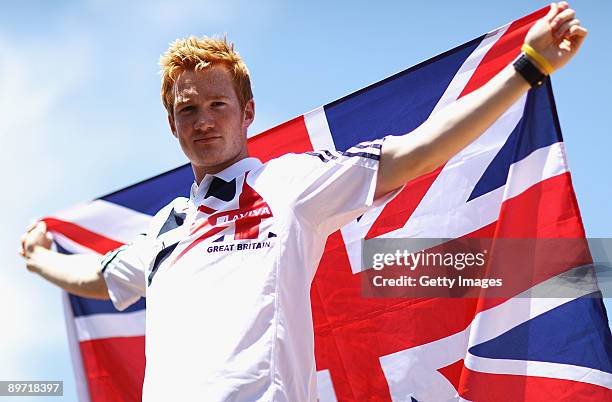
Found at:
(81, 115)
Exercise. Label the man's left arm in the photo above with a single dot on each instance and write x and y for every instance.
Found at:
(556, 38)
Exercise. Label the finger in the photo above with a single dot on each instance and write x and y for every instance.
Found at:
(564, 29)
(562, 18)
(39, 230)
(572, 42)
(552, 13)
(577, 35)
(578, 31)
(41, 227)
(562, 5)
(22, 250)
(31, 226)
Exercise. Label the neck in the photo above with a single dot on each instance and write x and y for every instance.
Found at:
(200, 171)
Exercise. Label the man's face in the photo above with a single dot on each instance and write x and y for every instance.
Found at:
(208, 120)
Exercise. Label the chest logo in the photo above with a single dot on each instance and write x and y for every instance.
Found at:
(244, 221)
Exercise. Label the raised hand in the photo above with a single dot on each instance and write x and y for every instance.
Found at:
(558, 36)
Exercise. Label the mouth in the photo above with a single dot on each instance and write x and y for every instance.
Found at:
(206, 140)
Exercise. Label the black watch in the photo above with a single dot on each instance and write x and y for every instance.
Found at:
(528, 70)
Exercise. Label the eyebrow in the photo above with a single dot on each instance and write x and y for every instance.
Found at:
(181, 102)
(187, 99)
(219, 96)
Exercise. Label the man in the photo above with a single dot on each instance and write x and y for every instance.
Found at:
(237, 257)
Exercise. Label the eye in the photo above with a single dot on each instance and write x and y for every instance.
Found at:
(186, 109)
(217, 104)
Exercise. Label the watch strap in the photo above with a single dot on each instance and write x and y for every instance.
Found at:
(528, 70)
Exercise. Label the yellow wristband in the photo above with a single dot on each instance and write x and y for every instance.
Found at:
(538, 58)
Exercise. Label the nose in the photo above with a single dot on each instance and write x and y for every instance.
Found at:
(204, 122)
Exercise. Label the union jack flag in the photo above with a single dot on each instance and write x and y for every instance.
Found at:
(513, 182)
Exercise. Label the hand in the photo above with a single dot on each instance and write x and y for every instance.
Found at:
(557, 36)
(35, 235)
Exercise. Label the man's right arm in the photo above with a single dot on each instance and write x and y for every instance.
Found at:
(80, 275)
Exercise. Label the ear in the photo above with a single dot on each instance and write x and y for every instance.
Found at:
(249, 114)
(172, 125)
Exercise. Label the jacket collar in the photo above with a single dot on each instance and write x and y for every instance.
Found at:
(228, 174)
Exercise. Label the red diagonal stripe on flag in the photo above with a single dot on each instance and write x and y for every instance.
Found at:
(397, 212)
(503, 51)
(87, 238)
